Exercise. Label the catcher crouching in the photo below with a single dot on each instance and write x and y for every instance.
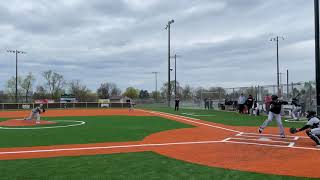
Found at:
(312, 127)
(35, 113)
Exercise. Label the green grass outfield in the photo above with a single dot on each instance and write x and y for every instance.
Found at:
(96, 129)
(226, 117)
(128, 166)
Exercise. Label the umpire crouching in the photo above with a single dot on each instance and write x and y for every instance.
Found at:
(176, 106)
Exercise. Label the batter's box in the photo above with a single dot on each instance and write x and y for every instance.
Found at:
(270, 136)
(260, 141)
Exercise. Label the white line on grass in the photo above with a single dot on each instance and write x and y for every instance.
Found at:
(227, 140)
(183, 118)
(296, 121)
(79, 123)
(108, 147)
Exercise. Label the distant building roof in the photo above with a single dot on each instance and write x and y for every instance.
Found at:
(115, 97)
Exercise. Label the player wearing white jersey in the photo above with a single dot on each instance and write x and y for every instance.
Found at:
(35, 113)
(312, 128)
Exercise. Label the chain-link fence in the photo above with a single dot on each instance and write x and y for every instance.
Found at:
(219, 97)
(226, 98)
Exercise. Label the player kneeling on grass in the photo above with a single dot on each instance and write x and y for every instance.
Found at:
(312, 126)
(274, 112)
(35, 113)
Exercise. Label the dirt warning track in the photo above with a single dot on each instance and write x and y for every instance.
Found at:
(210, 144)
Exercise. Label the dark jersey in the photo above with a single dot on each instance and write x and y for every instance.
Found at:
(177, 102)
(249, 102)
(296, 103)
(275, 106)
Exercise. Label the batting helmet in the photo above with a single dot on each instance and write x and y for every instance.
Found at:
(274, 97)
(310, 114)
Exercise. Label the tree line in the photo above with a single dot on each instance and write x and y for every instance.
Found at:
(54, 85)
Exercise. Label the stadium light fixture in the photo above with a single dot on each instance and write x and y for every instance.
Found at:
(16, 52)
(169, 86)
(276, 39)
(175, 73)
(317, 54)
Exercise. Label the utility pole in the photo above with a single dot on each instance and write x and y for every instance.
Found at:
(156, 76)
(287, 84)
(276, 39)
(16, 52)
(169, 85)
(317, 60)
(175, 73)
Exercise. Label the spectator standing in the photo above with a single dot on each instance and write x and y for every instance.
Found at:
(210, 103)
(206, 103)
(249, 104)
(267, 102)
(176, 106)
(241, 103)
(255, 108)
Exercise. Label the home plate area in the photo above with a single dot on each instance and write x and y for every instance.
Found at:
(262, 140)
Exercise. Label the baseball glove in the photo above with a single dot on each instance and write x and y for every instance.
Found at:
(293, 130)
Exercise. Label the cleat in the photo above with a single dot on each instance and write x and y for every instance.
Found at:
(260, 130)
(282, 136)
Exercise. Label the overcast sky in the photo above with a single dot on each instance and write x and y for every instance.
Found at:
(221, 42)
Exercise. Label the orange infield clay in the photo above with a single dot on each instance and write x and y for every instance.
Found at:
(210, 144)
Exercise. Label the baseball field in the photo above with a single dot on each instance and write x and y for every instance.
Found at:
(151, 143)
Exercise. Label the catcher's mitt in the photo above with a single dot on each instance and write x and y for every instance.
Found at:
(293, 130)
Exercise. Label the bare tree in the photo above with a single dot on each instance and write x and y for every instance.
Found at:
(108, 89)
(115, 91)
(55, 83)
(187, 93)
(40, 93)
(80, 91)
(164, 89)
(104, 91)
(11, 87)
(26, 85)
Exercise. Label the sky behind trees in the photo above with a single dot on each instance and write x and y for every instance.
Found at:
(221, 42)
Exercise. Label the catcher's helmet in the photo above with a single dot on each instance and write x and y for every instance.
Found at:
(310, 114)
(274, 97)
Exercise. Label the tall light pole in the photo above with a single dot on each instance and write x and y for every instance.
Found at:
(175, 74)
(276, 39)
(317, 57)
(287, 84)
(169, 85)
(156, 76)
(16, 52)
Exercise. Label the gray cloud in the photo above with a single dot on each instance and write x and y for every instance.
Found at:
(221, 42)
